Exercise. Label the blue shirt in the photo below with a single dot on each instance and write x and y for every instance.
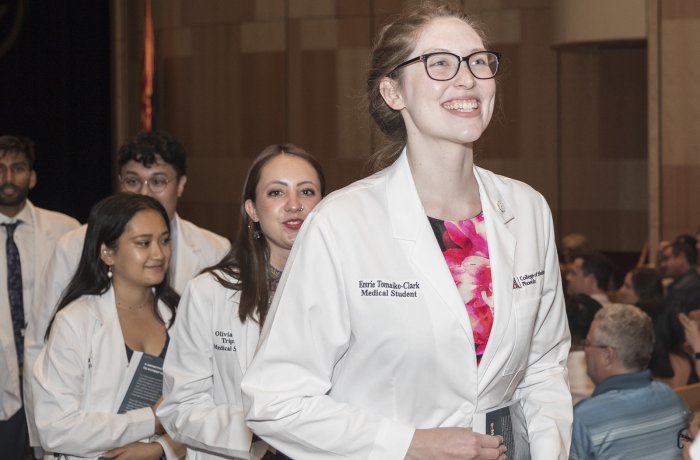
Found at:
(629, 416)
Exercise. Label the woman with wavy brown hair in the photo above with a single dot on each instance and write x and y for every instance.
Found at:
(223, 309)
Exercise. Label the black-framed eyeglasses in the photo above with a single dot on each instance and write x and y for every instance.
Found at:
(133, 184)
(683, 437)
(443, 66)
(587, 343)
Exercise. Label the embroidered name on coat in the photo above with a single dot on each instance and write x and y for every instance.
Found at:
(526, 280)
(382, 288)
(224, 341)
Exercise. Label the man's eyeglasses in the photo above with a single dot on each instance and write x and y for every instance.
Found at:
(443, 66)
(683, 437)
(133, 184)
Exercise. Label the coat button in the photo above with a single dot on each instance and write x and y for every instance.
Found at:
(501, 206)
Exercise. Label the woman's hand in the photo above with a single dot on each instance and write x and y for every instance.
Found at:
(159, 427)
(455, 443)
(692, 333)
(136, 451)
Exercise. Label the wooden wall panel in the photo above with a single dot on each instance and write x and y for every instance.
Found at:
(215, 90)
(681, 73)
(677, 29)
(237, 76)
(623, 111)
(626, 228)
(603, 144)
(680, 189)
(176, 112)
(263, 99)
(679, 9)
(500, 140)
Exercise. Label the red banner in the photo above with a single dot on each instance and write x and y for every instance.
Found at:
(148, 71)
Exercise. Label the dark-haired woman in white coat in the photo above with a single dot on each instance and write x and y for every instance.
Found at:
(119, 302)
(222, 310)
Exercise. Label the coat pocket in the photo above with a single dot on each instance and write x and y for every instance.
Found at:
(524, 315)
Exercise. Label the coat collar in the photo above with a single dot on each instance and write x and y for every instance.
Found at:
(405, 208)
(624, 382)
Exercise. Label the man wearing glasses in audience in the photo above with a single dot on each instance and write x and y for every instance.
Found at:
(628, 415)
(153, 164)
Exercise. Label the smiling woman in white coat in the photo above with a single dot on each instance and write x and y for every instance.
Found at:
(425, 293)
(118, 305)
(222, 310)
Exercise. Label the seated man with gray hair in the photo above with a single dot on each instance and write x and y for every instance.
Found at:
(629, 415)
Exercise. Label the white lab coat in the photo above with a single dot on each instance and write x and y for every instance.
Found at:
(339, 374)
(194, 249)
(48, 228)
(76, 382)
(695, 450)
(209, 352)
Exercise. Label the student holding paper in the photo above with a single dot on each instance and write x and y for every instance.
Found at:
(422, 294)
(118, 303)
(223, 309)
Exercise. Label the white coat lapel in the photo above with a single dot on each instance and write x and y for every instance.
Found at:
(107, 354)
(501, 243)
(249, 336)
(44, 243)
(410, 224)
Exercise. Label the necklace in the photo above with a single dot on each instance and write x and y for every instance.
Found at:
(273, 272)
(131, 307)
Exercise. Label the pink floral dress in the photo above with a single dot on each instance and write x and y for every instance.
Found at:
(463, 244)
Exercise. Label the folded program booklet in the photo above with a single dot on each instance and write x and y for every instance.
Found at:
(143, 385)
(508, 421)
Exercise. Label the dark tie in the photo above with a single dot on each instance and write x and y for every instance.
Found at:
(14, 289)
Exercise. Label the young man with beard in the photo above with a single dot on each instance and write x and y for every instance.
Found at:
(27, 238)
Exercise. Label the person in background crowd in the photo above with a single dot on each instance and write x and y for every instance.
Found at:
(28, 235)
(222, 310)
(425, 293)
(679, 263)
(629, 415)
(686, 439)
(691, 332)
(119, 302)
(151, 164)
(580, 311)
(688, 238)
(671, 362)
(573, 244)
(590, 274)
(643, 287)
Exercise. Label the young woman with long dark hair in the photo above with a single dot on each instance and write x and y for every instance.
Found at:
(118, 302)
